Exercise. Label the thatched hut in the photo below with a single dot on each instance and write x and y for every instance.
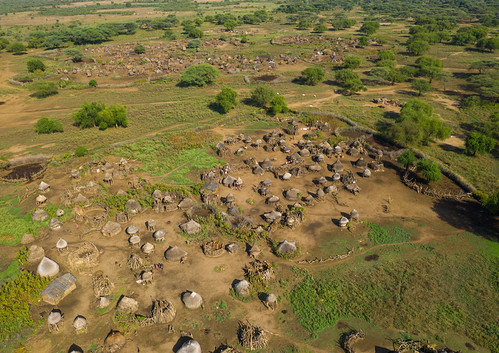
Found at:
(39, 215)
(159, 235)
(314, 167)
(61, 245)
(286, 176)
(338, 167)
(343, 222)
(318, 158)
(111, 229)
(108, 178)
(270, 301)
(75, 174)
(287, 247)
(360, 163)
(192, 300)
(47, 268)
(186, 203)
(127, 305)
(103, 302)
(336, 176)
(151, 225)
(134, 262)
(55, 224)
(114, 342)
(147, 248)
(55, 320)
(258, 170)
(134, 240)
(41, 200)
(366, 173)
(59, 212)
(304, 152)
(133, 207)
(192, 227)
(190, 346)
(272, 200)
(80, 324)
(175, 254)
(146, 277)
(354, 215)
(132, 230)
(292, 194)
(242, 288)
(43, 187)
(266, 164)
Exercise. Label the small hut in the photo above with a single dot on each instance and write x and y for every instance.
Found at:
(270, 301)
(114, 342)
(242, 288)
(146, 277)
(108, 178)
(151, 225)
(286, 176)
(366, 173)
(134, 240)
(192, 300)
(175, 254)
(133, 207)
(360, 163)
(61, 245)
(47, 268)
(132, 230)
(287, 247)
(39, 215)
(80, 324)
(110, 229)
(43, 187)
(354, 215)
(55, 320)
(338, 167)
(159, 235)
(55, 224)
(75, 174)
(190, 346)
(147, 248)
(127, 305)
(186, 203)
(272, 200)
(192, 227)
(41, 200)
(292, 194)
(343, 222)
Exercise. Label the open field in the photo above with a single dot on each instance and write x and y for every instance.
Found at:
(410, 268)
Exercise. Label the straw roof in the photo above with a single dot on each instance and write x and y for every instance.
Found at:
(128, 305)
(292, 194)
(186, 203)
(132, 230)
(114, 341)
(36, 253)
(159, 234)
(54, 317)
(80, 323)
(133, 206)
(55, 224)
(190, 346)
(147, 248)
(366, 173)
(110, 229)
(39, 215)
(174, 254)
(134, 239)
(242, 288)
(43, 186)
(61, 244)
(47, 268)
(343, 221)
(287, 247)
(192, 300)
(286, 176)
(338, 166)
(192, 227)
(40, 199)
(354, 214)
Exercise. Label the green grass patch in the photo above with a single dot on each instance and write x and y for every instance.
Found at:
(387, 234)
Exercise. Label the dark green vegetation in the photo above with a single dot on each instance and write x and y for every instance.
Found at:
(388, 292)
(97, 114)
(312, 76)
(430, 170)
(35, 65)
(44, 89)
(199, 75)
(226, 99)
(477, 143)
(47, 126)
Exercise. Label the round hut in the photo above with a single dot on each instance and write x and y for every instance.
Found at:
(192, 227)
(354, 215)
(190, 346)
(343, 222)
(338, 167)
(151, 225)
(366, 173)
(55, 224)
(287, 247)
(192, 300)
(159, 235)
(41, 200)
(147, 248)
(43, 187)
(132, 230)
(55, 320)
(47, 268)
(134, 240)
(270, 301)
(175, 254)
(80, 324)
(242, 288)
(61, 245)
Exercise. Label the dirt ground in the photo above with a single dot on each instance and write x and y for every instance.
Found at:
(212, 277)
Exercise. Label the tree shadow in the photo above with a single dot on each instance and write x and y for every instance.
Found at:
(330, 83)
(468, 215)
(449, 148)
(378, 349)
(391, 115)
(250, 102)
(407, 92)
(216, 108)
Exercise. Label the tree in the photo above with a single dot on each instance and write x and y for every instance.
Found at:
(352, 62)
(396, 75)
(226, 99)
(139, 49)
(350, 80)
(369, 27)
(304, 23)
(429, 67)
(489, 44)
(92, 83)
(198, 21)
(477, 143)
(97, 114)
(278, 105)
(35, 65)
(48, 126)
(484, 65)
(4, 42)
(199, 75)
(86, 117)
(386, 55)
(486, 85)
(418, 47)
(16, 48)
(194, 44)
(44, 89)
(312, 76)
(422, 86)
(75, 54)
(391, 64)
(320, 28)
(263, 95)
(430, 170)
(230, 24)
(407, 159)
(363, 41)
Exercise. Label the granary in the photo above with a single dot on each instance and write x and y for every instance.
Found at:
(40, 200)
(190, 346)
(147, 248)
(43, 187)
(354, 215)
(242, 288)
(61, 245)
(159, 235)
(175, 254)
(133, 206)
(111, 229)
(366, 173)
(108, 178)
(39, 215)
(134, 240)
(55, 320)
(151, 225)
(47, 268)
(287, 247)
(192, 300)
(55, 224)
(58, 289)
(343, 222)
(186, 203)
(80, 324)
(131, 230)
(270, 301)
(192, 227)
(338, 167)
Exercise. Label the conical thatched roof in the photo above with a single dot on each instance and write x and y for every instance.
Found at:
(147, 248)
(157, 194)
(133, 206)
(286, 176)
(192, 300)
(354, 214)
(292, 194)
(242, 288)
(40, 199)
(338, 166)
(271, 298)
(61, 244)
(80, 199)
(110, 229)
(266, 164)
(287, 247)
(55, 224)
(343, 221)
(228, 180)
(43, 186)
(258, 170)
(54, 317)
(159, 234)
(336, 176)
(192, 227)
(304, 152)
(186, 203)
(134, 239)
(366, 173)
(39, 215)
(128, 305)
(79, 323)
(132, 230)
(114, 341)
(174, 254)
(47, 268)
(35, 253)
(190, 346)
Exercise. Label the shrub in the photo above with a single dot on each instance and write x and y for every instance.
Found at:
(80, 151)
(92, 83)
(194, 44)
(94, 114)
(320, 28)
(352, 62)
(407, 158)
(477, 143)
(278, 105)
(263, 95)
(44, 89)
(199, 75)
(430, 170)
(244, 39)
(418, 47)
(363, 41)
(226, 99)
(369, 27)
(386, 55)
(422, 86)
(16, 48)
(349, 80)
(75, 54)
(139, 49)
(312, 76)
(35, 65)
(48, 126)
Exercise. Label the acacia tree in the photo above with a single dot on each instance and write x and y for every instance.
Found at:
(422, 86)
(429, 67)
(312, 76)
(477, 143)
(263, 95)
(226, 99)
(407, 159)
(430, 170)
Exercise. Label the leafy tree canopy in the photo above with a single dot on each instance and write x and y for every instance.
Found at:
(199, 75)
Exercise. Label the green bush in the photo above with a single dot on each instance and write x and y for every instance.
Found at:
(312, 76)
(369, 27)
(227, 99)
(80, 151)
(35, 65)
(139, 49)
(75, 54)
(199, 75)
(95, 114)
(407, 158)
(422, 86)
(477, 143)
(278, 105)
(194, 44)
(16, 48)
(352, 62)
(263, 95)
(93, 83)
(430, 170)
(47, 126)
(44, 89)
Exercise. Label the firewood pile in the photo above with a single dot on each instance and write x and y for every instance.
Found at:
(252, 337)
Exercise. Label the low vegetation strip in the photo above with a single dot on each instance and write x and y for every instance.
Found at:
(387, 234)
